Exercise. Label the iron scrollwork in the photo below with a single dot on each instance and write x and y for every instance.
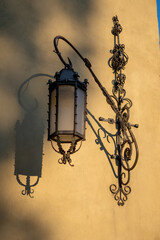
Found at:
(126, 142)
(66, 154)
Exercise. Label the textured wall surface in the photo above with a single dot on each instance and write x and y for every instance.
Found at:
(75, 203)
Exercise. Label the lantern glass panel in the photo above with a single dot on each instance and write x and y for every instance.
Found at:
(53, 112)
(80, 111)
(66, 108)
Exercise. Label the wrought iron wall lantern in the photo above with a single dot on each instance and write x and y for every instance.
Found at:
(67, 112)
(67, 117)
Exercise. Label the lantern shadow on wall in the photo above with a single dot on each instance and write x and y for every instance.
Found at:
(29, 150)
(29, 141)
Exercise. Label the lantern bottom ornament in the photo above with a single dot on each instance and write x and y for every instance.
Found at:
(67, 112)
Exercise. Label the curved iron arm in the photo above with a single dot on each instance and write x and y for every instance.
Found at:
(88, 65)
(55, 42)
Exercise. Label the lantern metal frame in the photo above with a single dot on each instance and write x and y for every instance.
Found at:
(74, 82)
(55, 86)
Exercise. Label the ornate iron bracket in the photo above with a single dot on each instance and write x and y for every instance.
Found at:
(126, 142)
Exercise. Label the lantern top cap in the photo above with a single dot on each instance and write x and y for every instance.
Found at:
(66, 75)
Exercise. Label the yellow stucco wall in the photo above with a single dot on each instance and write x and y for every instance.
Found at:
(75, 203)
